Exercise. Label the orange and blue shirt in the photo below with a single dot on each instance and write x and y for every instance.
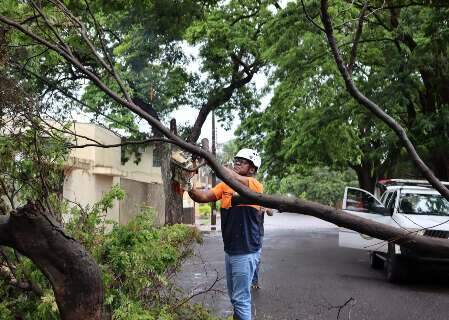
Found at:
(240, 224)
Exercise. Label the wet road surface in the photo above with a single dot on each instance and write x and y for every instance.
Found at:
(305, 275)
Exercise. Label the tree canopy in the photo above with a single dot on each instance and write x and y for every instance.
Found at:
(350, 89)
(312, 119)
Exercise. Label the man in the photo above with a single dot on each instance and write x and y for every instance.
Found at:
(240, 227)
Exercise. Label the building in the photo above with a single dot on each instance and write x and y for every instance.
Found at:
(92, 171)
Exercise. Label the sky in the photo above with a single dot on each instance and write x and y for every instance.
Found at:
(187, 114)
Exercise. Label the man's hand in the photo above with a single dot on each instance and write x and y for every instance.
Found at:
(202, 196)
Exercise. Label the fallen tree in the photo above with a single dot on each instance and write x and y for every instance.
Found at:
(57, 275)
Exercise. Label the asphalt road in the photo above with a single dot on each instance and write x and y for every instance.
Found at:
(305, 275)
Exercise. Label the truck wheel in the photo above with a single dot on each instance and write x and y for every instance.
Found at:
(395, 268)
(375, 262)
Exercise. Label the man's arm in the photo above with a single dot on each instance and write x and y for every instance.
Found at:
(202, 196)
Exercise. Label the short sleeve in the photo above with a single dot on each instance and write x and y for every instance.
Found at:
(255, 185)
(218, 190)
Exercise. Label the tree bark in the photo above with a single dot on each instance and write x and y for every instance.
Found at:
(366, 181)
(173, 194)
(72, 272)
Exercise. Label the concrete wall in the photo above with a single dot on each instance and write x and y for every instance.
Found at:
(91, 172)
(144, 170)
(141, 195)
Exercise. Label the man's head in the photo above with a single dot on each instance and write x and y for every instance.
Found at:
(246, 162)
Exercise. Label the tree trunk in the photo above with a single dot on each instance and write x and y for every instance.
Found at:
(366, 180)
(173, 197)
(173, 194)
(73, 274)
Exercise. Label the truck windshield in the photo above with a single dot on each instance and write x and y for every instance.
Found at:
(424, 204)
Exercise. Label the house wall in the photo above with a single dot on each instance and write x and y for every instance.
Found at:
(141, 195)
(91, 172)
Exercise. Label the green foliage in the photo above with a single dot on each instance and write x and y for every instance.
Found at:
(204, 210)
(32, 157)
(312, 121)
(138, 262)
(319, 184)
(227, 153)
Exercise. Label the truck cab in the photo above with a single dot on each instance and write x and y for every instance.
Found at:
(412, 205)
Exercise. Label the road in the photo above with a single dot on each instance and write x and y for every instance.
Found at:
(305, 275)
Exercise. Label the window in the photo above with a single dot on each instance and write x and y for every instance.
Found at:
(156, 157)
(392, 201)
(360, 200)
(424, 204)
(387, 198)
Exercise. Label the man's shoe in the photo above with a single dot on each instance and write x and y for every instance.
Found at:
(255, 285)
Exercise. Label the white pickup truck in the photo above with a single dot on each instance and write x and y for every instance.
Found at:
(408, 204)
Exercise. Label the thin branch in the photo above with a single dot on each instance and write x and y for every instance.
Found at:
(357, 36)
(309, 17)
(410, 4)
(89, 43)
(250, 15)
(340, 308)
(34, 56)
(31, 18)
(184, 301)
(6, 193)
(194, 169)
(71, 96)
(53, 30)
(100, 35)
(126, 143)
(41, 174)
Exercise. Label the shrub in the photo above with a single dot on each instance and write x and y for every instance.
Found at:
(204, 210)
(138, 263)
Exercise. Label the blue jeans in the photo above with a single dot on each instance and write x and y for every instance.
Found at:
(239, 274)
(256, 272)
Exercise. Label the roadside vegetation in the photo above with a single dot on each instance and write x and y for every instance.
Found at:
(357, 88)
(138, 262)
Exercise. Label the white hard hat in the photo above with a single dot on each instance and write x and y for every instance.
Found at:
(251, 155)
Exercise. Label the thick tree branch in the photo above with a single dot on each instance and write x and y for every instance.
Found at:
(338, 217)
(373, 107)
(216, 99)
(73, 274)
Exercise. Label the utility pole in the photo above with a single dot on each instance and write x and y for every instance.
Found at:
(213, 216)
